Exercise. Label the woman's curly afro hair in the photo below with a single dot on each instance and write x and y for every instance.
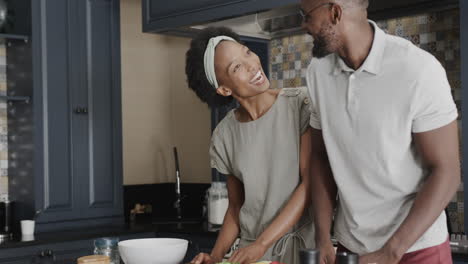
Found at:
(195, 70)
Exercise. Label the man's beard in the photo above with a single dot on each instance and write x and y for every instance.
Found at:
(320, 48)
(324, 41)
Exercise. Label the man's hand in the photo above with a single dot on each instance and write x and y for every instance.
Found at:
(382, 256)
(249, 254)
(204, 258)
(327, 253)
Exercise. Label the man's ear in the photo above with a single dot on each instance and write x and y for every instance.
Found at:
(336, 13)
(224, 91)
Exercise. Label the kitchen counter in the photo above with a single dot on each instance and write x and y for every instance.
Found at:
(108, 231)
(460, 254)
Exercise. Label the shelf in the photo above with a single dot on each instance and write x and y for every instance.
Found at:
(15, 98)
(14, 36)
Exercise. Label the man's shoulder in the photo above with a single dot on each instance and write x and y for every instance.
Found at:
(405, 53)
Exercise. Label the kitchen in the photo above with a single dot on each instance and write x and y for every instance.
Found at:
(155, 107)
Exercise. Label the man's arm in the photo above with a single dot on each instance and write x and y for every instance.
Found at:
(439, 149)
(324, 193)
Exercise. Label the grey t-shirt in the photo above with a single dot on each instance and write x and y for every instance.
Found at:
(264, 155)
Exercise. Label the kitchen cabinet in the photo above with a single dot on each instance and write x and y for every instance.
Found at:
(161, 16)
(75, 146)
(171, 17)
(382, 9)
(464, 88)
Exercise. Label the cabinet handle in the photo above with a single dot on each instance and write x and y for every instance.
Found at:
(81, 110)
(47, 253)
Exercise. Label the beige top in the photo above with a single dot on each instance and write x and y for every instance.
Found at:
(94, 259)
(368, 118)
(264, 155)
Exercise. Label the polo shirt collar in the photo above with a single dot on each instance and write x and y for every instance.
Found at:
(373, 62)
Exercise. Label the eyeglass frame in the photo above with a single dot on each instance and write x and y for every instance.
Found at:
(305, 15)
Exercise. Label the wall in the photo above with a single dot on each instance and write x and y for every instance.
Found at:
(437, 33)
(159, 111)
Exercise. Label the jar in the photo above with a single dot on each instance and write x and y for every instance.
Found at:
(217, 203)
(108, 246)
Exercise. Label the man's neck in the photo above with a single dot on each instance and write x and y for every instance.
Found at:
(357, 44)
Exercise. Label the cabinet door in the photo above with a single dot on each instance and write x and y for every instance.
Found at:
(55, 77)
(102, 191)
(160, 16)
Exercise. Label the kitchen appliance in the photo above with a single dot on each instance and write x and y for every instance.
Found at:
(347, 258)
(309, 256)
(6, 220)
(153, 250)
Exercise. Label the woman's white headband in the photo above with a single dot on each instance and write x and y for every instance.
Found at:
(209, 58)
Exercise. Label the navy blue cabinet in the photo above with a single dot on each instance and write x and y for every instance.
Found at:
(161, 16)
(77, 163)
(171, 16)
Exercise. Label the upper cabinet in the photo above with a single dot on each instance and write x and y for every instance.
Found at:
(161, 16)
(384, 9)
(174, 16)
(75, 145)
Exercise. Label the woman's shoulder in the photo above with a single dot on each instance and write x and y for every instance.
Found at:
(223, 126)
(299, 94)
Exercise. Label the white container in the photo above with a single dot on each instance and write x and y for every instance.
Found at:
(217, 203)
(153, 250)
(27, 227)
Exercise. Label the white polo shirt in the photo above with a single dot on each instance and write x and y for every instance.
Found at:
(368, 118)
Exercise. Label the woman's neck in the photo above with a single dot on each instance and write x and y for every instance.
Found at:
(253, 108)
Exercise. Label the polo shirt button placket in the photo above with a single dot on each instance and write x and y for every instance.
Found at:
(352, 103)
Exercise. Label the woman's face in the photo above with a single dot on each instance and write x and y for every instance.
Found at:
(239, 71)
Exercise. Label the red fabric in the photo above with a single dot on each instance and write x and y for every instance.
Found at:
(440, 254)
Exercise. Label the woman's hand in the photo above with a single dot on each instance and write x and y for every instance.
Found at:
(249, 254)
(204, 258)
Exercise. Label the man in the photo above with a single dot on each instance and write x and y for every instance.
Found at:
(385, 139)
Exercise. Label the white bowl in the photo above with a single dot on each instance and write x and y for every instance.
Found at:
(153, 250)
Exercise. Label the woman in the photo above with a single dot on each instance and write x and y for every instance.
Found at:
(263, 146)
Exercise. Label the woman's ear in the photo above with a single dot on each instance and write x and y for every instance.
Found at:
(224, 91)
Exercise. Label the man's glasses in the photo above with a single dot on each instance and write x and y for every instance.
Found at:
(306, 15)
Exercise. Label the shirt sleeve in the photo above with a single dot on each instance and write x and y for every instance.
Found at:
(433, 104)
(218, 157)
(314, 120)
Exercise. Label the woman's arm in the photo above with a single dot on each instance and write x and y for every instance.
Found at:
(230, 228)
(288, 216)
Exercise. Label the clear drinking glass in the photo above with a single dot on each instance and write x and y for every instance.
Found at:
(108, 246)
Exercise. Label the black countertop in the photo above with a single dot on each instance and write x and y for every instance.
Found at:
(108, 231)
(201, 229)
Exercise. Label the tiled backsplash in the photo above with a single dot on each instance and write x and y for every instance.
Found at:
(3, 124)
(437, 33)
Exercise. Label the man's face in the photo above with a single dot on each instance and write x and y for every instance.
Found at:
(317, 21)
